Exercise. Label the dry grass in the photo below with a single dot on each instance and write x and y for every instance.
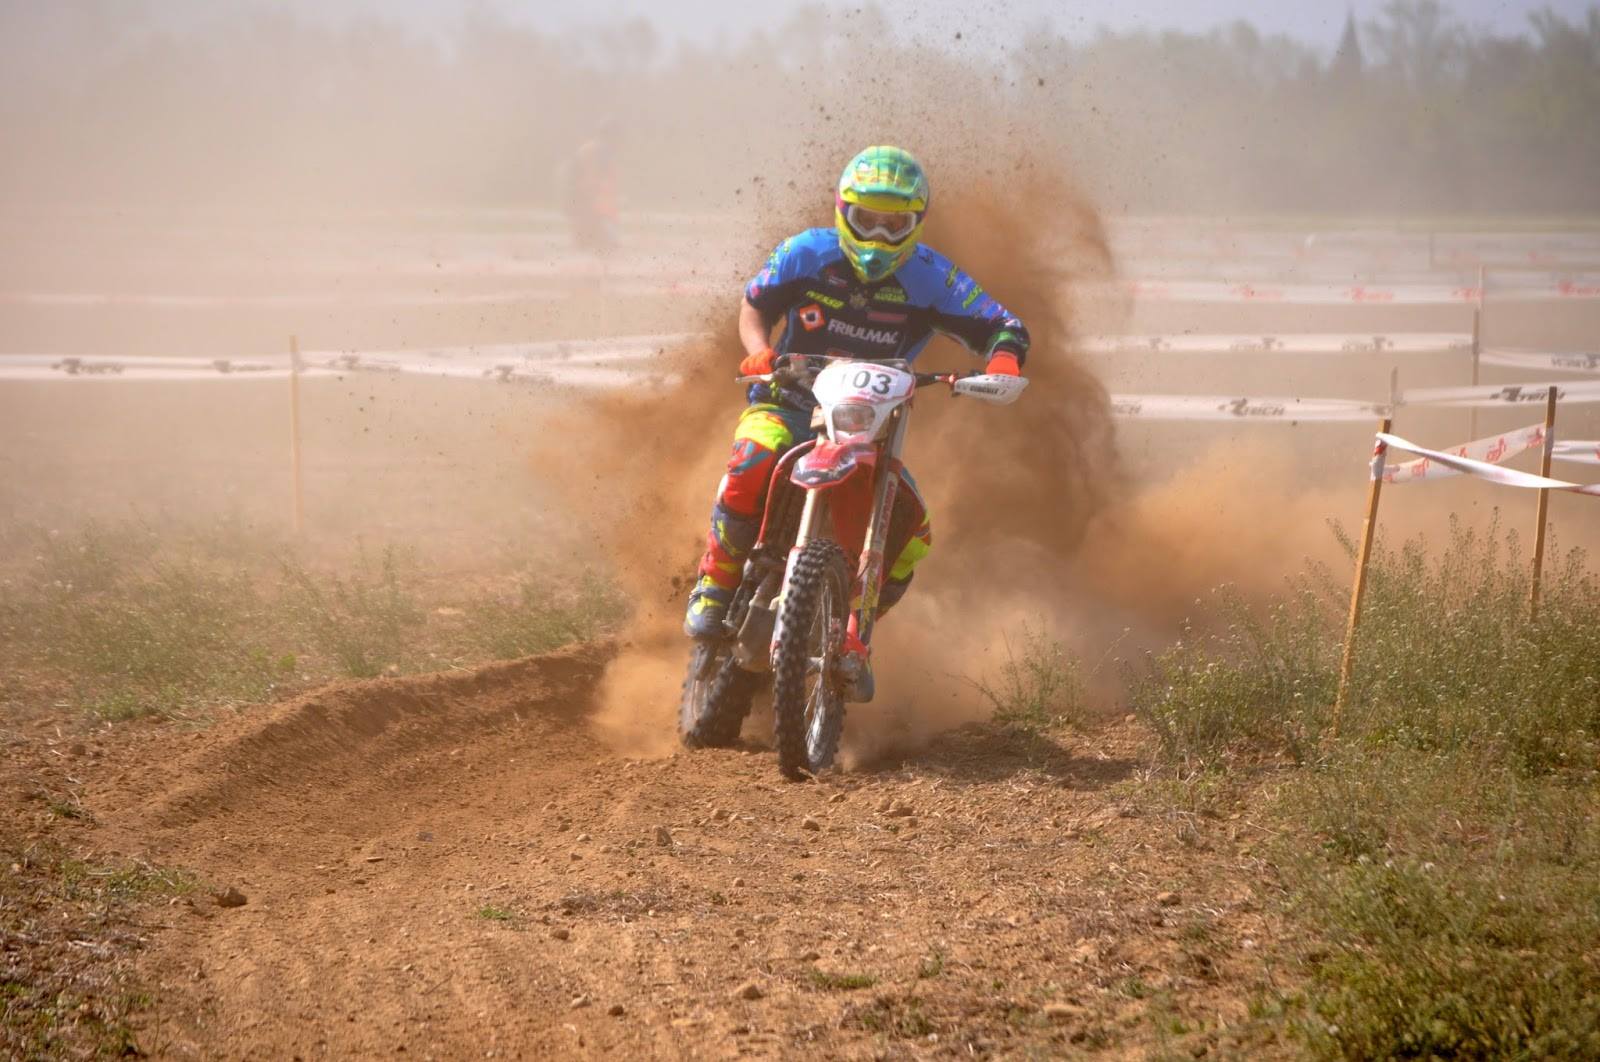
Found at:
(1442, 851)
(70, 929)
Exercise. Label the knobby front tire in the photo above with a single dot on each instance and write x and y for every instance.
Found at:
(806, 700)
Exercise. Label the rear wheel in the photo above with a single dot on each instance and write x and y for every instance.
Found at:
(806, 697)
(716, 697)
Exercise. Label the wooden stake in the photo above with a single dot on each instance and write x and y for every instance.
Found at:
(1359, 591)
(294, 437)
(1477, 347)
(1544, 502)
(1477, 352)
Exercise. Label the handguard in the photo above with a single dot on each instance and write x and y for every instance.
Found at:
(991, 387)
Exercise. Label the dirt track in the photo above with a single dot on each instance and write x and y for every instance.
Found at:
(442, 866)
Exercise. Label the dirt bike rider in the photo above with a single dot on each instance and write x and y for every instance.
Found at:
(862, 289)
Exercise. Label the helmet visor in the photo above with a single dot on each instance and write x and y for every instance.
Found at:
(890, 226)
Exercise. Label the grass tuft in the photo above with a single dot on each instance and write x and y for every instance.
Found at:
(836, 982)
(491, 913)
(1038, 686)
(541, 617)
(364, 621)
(1446, 660)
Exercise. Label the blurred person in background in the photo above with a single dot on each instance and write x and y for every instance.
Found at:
(592, 192)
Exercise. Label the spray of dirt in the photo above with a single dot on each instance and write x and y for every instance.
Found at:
(1013, 490)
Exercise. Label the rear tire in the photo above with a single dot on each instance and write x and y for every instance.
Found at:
(806, 698)
(716, 697)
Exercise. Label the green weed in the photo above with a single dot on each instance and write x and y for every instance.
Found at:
(541, 617)
(126, 881)
(1038, 686)
(365, 621)
(1458, 902)
(836, 982)
(491, 913)
(1261, 682)
(1446, 659)
(65, 810)
(93, 558)
(138, 633)
(900, 1019)
(1444, 851)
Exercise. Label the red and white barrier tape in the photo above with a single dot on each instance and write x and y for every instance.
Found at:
(1491, 450)
(1506, 477)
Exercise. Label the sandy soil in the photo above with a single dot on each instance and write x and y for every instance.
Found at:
(454, 866)
(442, 866)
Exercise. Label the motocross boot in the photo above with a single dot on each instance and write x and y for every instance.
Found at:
(721, 570)
(857, 657)
(856, 667)
(708, 607)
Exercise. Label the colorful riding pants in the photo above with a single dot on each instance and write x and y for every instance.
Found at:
(763, 434)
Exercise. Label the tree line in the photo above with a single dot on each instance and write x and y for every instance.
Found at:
(1422, 114)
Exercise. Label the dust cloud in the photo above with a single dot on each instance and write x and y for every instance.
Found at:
(279, 160)
(1016, 487)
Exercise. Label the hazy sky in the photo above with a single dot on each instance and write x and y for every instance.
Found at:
(1318, 22)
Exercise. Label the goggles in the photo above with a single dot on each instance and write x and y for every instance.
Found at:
(890, 226)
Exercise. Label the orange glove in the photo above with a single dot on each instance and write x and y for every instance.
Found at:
(1003, 363)
(758, 364)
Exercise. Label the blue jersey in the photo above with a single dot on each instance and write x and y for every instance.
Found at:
(827, 309)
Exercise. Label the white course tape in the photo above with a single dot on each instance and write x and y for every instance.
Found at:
(1345, 294)
(1528, 359)
(1583, 452)
(1225, 407)
(1153, 290)
(1506, 477)
(621, 349)
(545, 293)
(495, 361)
(1504, 395)
(1301, 343)
(1299, 294)
(89, 365)
(201, 375)
(1492, 450)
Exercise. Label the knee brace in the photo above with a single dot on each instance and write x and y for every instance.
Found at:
(891, 593)
(735, 534)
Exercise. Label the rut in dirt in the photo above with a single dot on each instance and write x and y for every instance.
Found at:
(453, 864)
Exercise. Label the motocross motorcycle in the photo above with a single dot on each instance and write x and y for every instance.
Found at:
(817, 566)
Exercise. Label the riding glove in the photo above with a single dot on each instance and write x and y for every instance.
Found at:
(1003, 363)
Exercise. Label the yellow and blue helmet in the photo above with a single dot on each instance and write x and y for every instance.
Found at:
(883, 198)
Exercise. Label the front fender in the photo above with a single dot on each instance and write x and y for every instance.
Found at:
(830, 464)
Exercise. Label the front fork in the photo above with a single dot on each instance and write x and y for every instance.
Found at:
(869, 576)
(869, 573)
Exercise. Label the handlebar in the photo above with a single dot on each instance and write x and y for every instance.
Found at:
(794, 368)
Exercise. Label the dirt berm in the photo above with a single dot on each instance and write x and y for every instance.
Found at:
(455, 866)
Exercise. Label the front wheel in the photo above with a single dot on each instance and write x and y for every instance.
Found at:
(806, 696)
